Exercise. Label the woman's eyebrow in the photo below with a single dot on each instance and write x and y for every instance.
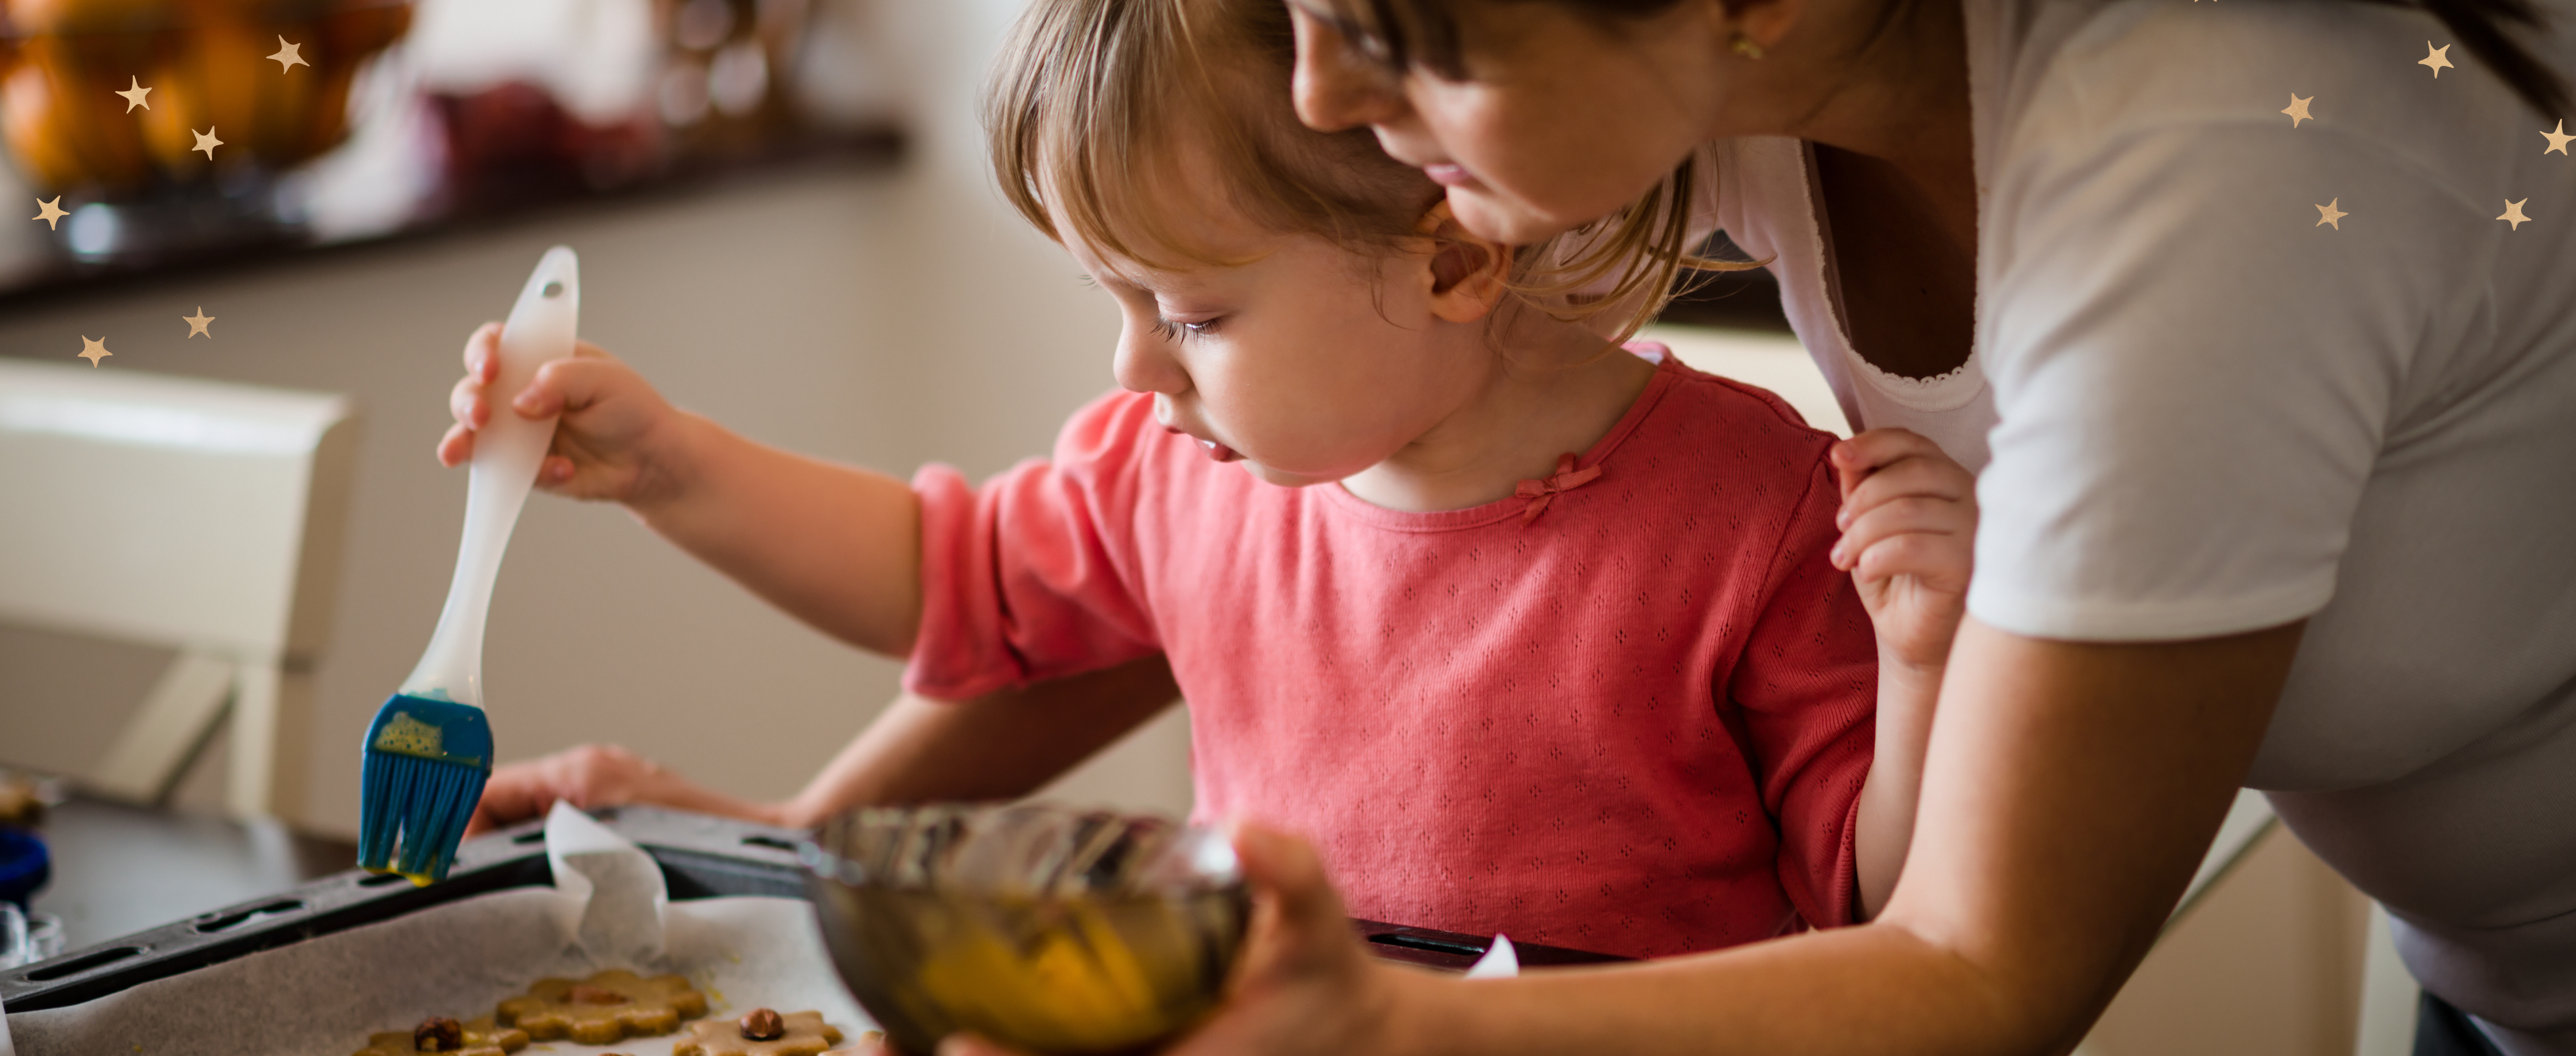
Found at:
(1330, 16)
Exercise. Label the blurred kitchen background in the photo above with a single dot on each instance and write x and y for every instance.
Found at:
(785, 221)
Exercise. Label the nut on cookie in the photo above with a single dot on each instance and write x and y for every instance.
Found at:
(798, 1034)
(605, 1008)
(476, 1037)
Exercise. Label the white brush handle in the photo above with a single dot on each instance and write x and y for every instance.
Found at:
(507, 451)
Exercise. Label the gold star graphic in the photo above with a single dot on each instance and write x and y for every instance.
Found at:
(134, 96)
(207, 142)
(94, 349)
(2436, 59)
(51, 213)
(2558, 139)
(289, 56)
(197, 323)
(2298, 108)
(2328, 214)
(2513, 214)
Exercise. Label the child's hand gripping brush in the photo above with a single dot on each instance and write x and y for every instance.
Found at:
(430, 748)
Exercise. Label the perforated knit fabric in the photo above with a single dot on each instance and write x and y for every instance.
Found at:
(1637, 724)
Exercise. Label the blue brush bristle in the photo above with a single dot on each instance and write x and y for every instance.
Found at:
(426, 762)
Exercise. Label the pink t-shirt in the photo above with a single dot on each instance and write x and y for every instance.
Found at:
(1636, 723)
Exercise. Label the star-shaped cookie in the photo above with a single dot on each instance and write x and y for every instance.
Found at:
(603, 1009)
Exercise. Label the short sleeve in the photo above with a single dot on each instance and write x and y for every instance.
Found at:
(2194, 365)
(1031, 576)
(1806, 691)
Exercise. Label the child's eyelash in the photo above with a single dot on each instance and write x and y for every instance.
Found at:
(1176, 331)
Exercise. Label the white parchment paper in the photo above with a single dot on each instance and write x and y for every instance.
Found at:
(322, 997)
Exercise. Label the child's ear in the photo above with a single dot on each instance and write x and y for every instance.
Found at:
(1469, 272)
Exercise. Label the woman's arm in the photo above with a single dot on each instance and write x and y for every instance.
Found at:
(2069, 793)
(1001, 745)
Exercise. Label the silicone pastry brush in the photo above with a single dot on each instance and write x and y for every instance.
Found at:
(430, 748)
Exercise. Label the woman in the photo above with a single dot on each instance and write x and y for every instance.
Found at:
(2280, 493)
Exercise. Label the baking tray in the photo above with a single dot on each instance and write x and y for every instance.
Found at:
(700, 856)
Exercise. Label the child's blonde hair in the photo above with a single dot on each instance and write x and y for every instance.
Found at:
(1090, 98)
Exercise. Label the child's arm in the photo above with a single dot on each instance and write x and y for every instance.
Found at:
(1909, 522)
(1001, 745)
(835, 546)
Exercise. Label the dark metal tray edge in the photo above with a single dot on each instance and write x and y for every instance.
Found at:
(700, 856)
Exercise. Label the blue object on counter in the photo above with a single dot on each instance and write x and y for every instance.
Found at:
(24, 865)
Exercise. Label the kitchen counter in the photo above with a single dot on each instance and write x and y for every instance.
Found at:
(120, 869)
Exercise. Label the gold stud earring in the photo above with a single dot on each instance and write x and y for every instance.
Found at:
(1745, 46)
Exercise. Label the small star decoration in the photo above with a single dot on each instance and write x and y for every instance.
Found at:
(2436, 59)
(135, 96)
(2558, 139)
(2298, 109)
(94, 349)
(207, 142)
(2513, 214)
(51, 213)
(2327, 215)
(289, 56)
(197, 323)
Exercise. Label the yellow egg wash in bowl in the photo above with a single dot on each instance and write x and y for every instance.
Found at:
(1051, 929)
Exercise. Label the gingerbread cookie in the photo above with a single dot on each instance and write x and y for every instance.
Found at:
(761, 1032)
(605, 1008)
(474, 1037)
(870, 1043)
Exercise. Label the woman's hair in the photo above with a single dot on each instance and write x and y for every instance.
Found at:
(1091, 100)
(1646, 244)
(1402, 32)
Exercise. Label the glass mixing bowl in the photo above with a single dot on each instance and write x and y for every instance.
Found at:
(1056, 930)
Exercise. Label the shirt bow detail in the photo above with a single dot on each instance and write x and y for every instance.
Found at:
(1544, 491)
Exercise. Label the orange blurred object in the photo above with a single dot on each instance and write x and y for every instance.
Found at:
(63, 64)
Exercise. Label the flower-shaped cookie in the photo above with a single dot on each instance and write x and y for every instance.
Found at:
(476, 1037)
(792, 1034)
(605, 1008)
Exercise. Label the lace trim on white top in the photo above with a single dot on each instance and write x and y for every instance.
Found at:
(1940, 392)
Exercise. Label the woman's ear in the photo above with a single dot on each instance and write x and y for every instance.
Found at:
(1469, 272)
(1750, 29)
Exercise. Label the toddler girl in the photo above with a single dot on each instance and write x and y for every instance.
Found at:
(1529, 634)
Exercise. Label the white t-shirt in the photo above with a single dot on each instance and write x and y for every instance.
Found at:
(2218, 415)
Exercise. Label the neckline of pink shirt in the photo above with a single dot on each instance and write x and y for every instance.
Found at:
(1667, 369)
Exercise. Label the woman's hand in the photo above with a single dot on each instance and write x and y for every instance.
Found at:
(593, 776)
(1909, 522)
(1304, 984)
(617, 439)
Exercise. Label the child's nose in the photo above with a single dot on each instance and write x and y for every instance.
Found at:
(1145, 363)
